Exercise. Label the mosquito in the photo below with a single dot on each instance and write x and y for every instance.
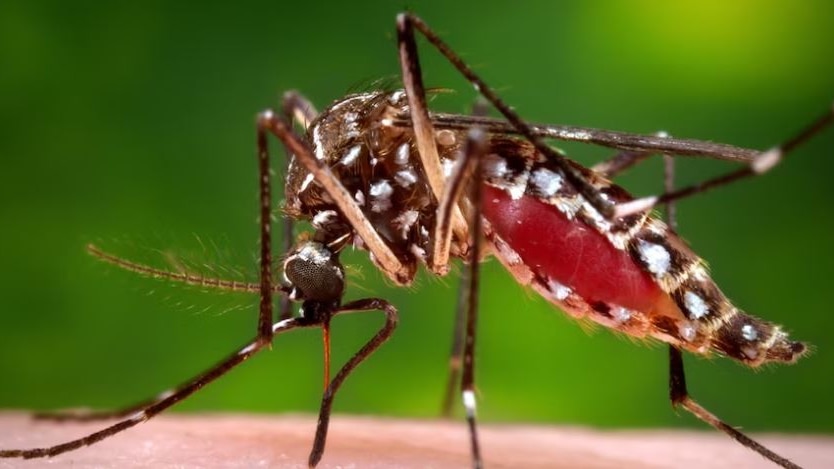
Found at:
(378, 171)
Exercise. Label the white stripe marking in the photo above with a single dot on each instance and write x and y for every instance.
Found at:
(351, 155)
(306, 182)
(469, 402)
(656, 257)
(749, 332)
(403, 154)
(248, 349)
(317, 145)
(165, 395)
(280, 325)
(766, 160)
(546, 181)
(696, 305)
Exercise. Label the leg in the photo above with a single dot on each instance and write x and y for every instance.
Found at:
(680, 397)
(456, 352)
(162, 402)
(479, 109)
(391, 318)
(426, 147)
(763, 163)
(677, 378)
(265, 272)
(468, 175)
(605, 138)
(476, 148)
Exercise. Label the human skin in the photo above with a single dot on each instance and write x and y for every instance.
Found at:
(244, 441)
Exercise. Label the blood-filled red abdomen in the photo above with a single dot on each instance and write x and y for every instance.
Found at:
(569, 251)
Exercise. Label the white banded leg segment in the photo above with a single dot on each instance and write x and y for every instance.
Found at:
(469, 403)
(767, 160)
(138, 417)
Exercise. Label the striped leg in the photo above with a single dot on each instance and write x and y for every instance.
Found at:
(160, 403)
(467, 175)
(475, 149)
(450, 220)
(762, 163)
(678, 393)
(479, 108)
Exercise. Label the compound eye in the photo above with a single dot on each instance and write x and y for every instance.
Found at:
(314, 272)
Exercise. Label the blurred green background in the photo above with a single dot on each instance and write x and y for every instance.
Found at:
(132, 125)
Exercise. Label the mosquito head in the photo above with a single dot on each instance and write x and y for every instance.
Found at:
(313, 273)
